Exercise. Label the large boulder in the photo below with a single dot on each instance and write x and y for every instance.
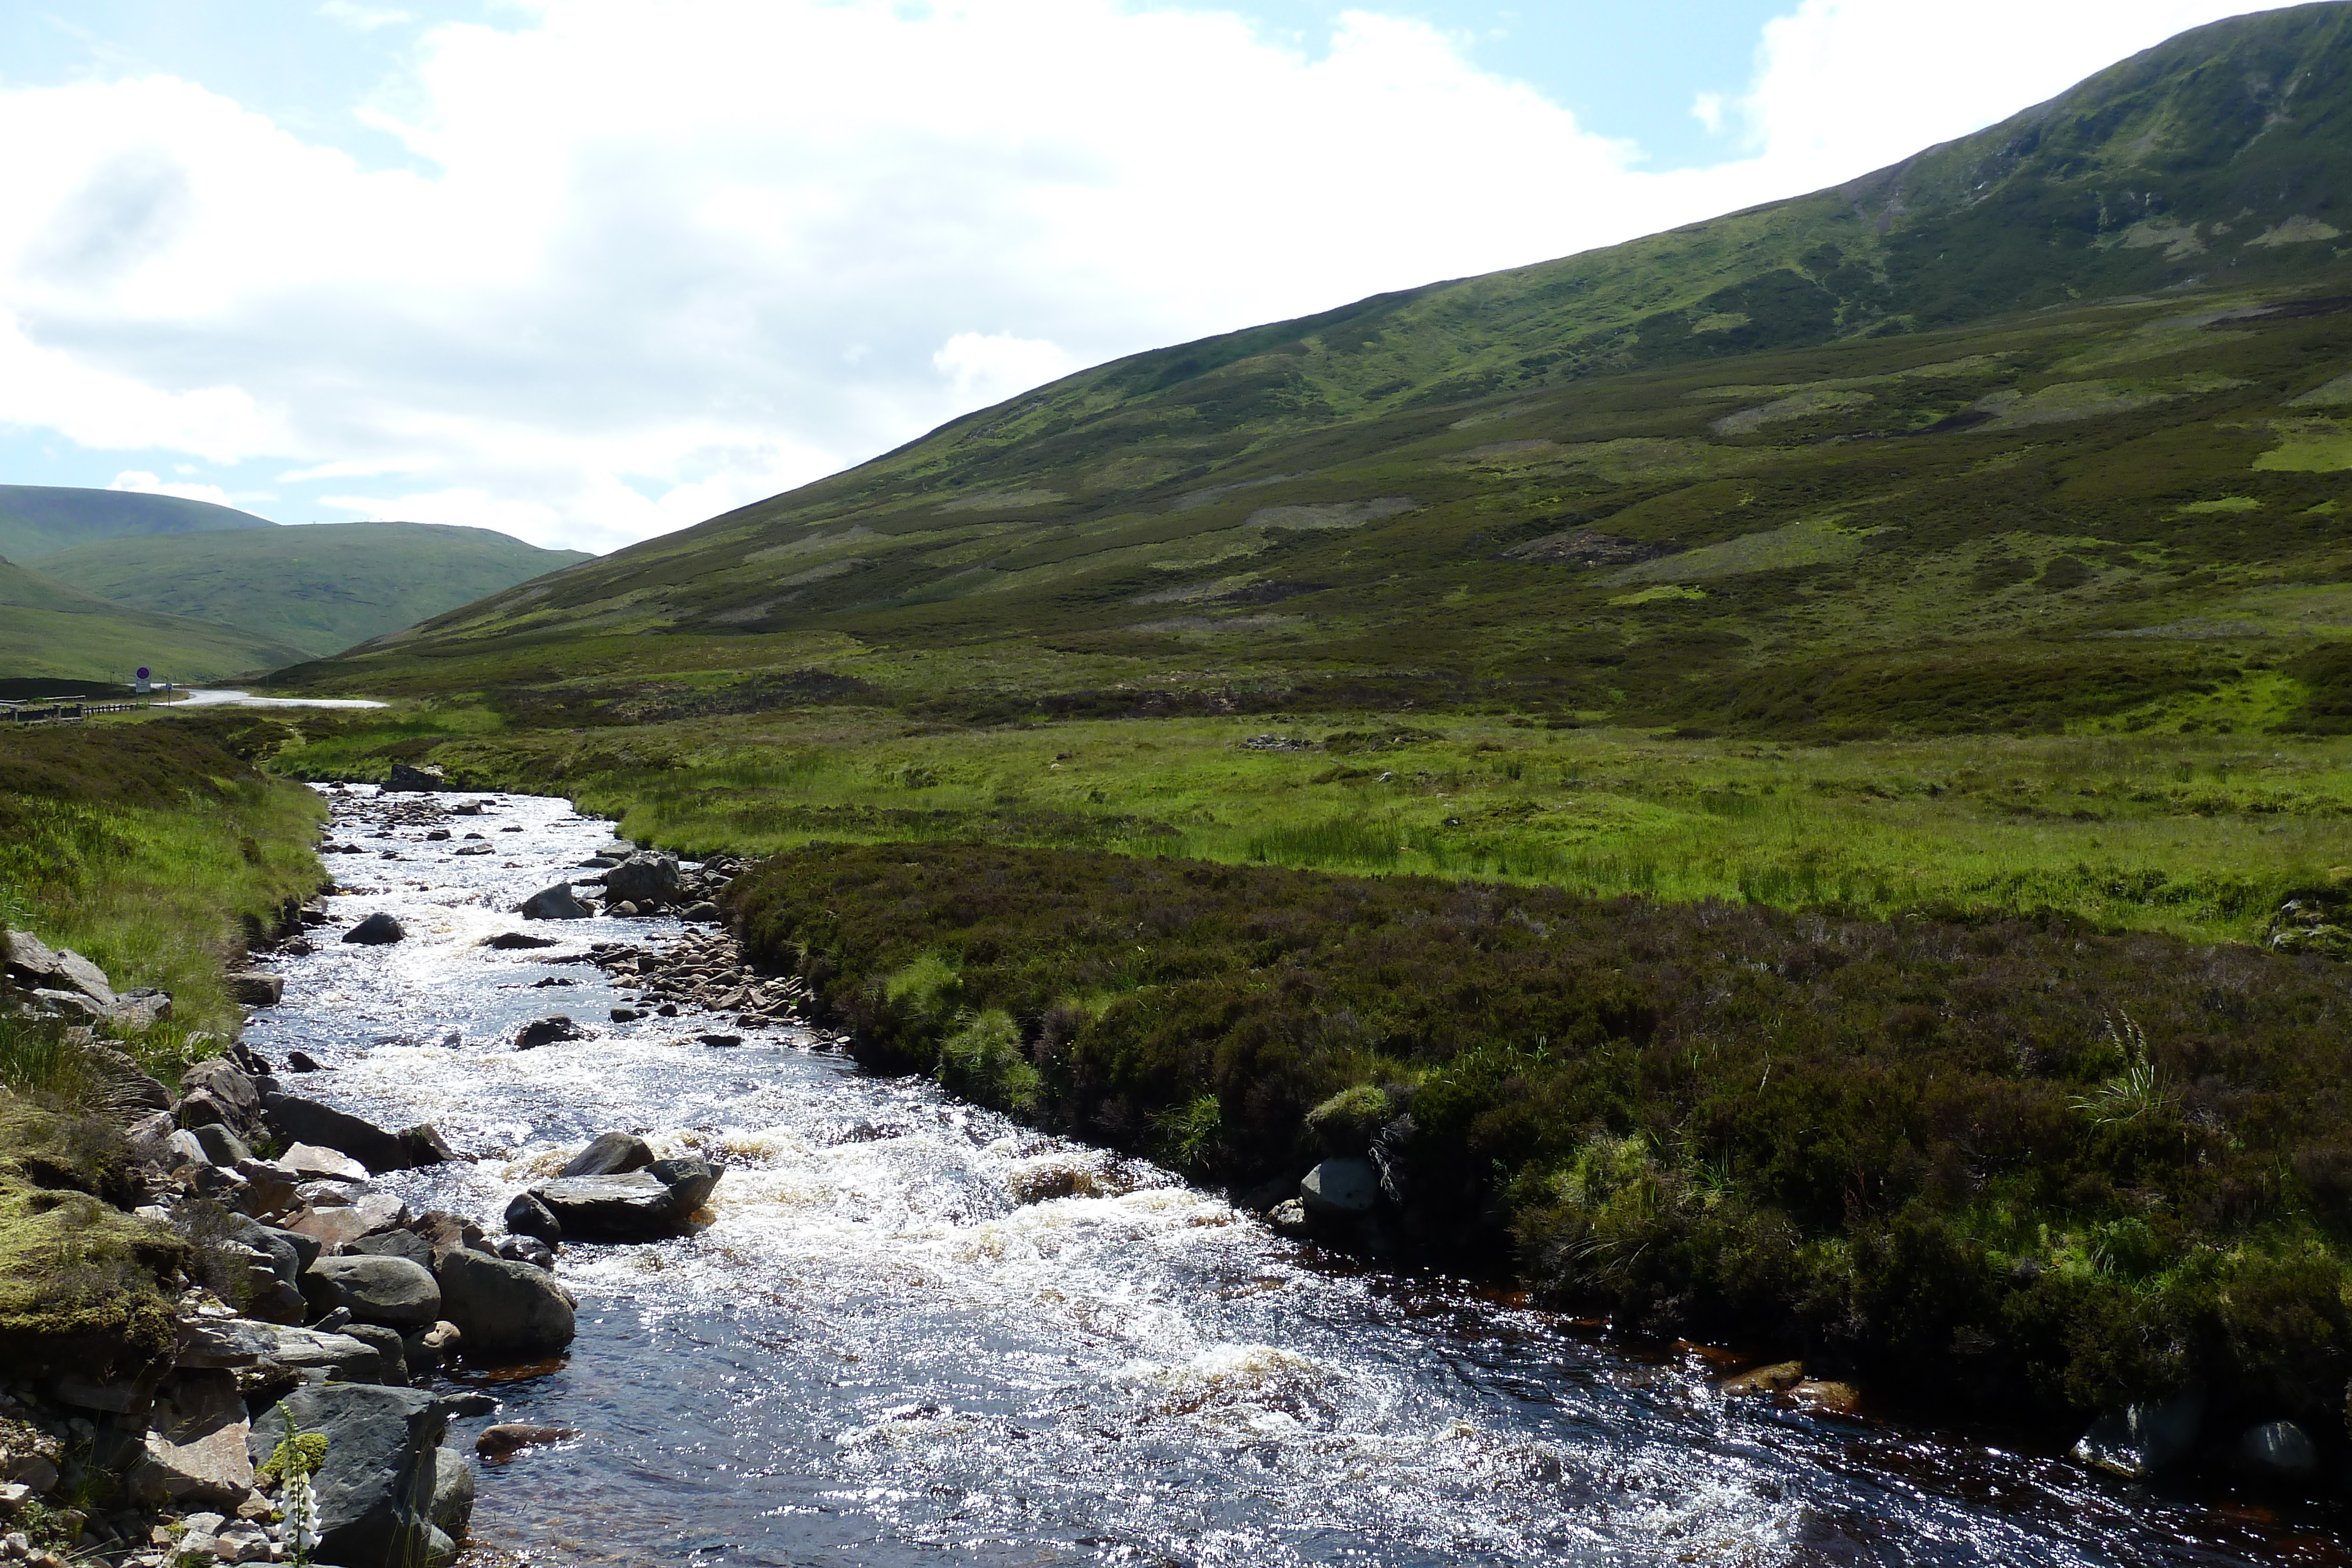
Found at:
(255, 989)
(374, 1288)
(36, 966)
(453, 1492)
(634, 1207)
(503, 1308)
(610, 1154)
(196, 1445)
(217, 1091)
(1341, 1189)
(645, 879)
(553, 904)
(300, 1121)
(375, 1487)
(2277, 1451)
(376, 930)
(2140, 1440)
(406, 779)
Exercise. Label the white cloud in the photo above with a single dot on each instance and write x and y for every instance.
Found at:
(1846, 86)
(148, 485)
(666, 257)
(989, 367)
(366, 18)
(1707, 109)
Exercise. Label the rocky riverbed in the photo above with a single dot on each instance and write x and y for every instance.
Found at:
(811, 1315)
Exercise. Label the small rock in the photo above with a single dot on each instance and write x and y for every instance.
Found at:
(626, 1015)
(705, 911)
(1289, 1219)
(342, 1225)
(624, 910)
(253, 988)
(510, 1437)
(1777, 1378)
(548, 1030)
(394, 1243)
(527, 1249)
(553, 904)
(221, 1147)
(315, 1162)
(507, 941)
(610, 1154)
(390, 1347)
(1826, 1398)
(435, 835)
(526, 1215)
(301, 1061)
(375, 930)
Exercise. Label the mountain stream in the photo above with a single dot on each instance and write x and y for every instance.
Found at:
(879, 1355)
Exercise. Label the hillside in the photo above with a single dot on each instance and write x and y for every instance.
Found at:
(37, 520)
(1978, 438)
(49, 628)
(319, 589)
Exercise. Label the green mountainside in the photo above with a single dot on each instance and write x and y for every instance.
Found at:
(37, 520)
(316, 589)
(2038, 426)
(49, 628)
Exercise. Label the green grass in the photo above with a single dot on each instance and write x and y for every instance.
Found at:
(51, 628)
(148, 847)
(315, 589)
(2200, 835)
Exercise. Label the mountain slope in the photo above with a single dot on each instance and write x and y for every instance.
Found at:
(49, 628)
(37, 520)
(1960, 424)
(318, 589)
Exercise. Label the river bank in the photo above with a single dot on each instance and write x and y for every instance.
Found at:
(914, 1324)
(2015, 1170)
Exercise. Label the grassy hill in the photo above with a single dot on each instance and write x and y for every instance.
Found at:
(37, 520)
(2037, 427)
(318, 589)
(49, 628)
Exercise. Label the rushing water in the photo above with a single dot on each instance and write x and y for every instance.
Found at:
(877, 1355)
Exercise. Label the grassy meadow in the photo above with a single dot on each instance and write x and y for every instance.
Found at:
(148, 846)
(2200, 835)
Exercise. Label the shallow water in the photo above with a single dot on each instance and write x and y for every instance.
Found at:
(877, 1355)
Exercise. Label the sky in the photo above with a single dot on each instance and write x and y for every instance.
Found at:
(587, 271)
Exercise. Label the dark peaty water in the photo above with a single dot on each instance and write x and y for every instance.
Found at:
(880, 1355)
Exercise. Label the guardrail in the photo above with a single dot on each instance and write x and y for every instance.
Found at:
(61, 710)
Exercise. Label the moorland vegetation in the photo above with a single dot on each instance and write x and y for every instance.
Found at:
(2012, 1164)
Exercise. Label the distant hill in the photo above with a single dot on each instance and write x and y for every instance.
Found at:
(52, 628)
(37, 520)
(2050, 420)
(320, 588)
